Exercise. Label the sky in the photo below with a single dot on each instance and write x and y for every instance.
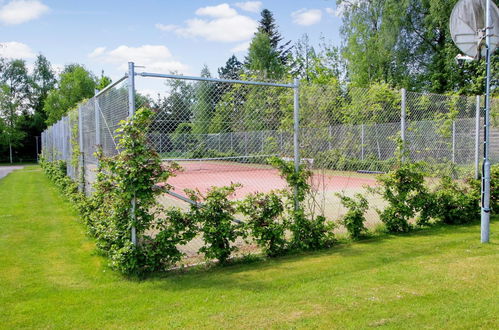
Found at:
(162, 36)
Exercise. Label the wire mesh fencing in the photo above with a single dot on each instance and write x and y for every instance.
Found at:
(76, 137)
(222, 132)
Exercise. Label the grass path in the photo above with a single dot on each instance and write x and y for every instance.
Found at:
(50, 277)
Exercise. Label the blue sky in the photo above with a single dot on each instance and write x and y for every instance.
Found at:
(162, 35)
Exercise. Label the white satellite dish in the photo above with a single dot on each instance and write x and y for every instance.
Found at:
(467, 24)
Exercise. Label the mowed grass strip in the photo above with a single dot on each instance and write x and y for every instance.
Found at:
(51, 277)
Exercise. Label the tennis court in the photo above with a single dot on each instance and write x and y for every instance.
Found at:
(255, 175)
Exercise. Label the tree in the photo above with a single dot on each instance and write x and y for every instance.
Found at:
(103, 81)
(263, 60)
(370, 31)
(231, 70)
(15, 89)
(323, 66)
(204, 103)
(405, 43)
(268, 26)
(75, 84)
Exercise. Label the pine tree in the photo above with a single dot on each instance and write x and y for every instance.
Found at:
(268, 26)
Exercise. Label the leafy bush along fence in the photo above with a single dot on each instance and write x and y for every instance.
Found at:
(125, 193)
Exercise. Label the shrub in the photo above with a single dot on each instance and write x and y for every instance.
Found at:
(216, 221)
(354, 219)
(266, 221)
(455, 203)
(310, 231)
(405, 191)
(476, 186)
(337, 160)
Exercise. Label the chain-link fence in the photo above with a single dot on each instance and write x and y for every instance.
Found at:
(222, 132)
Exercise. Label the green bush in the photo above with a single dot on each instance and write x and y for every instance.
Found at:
(476, 185)
(455, 203)
(336, 160)
(407, 195)
(309, 231)
(216, 221)
(266, 221)
(354, 219)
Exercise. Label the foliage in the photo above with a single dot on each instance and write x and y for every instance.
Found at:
(15, 87)
(268, 26)
(75, 84)
(124, 197)
(263, 59)
(354, 219)
(310, 231)
(217, 222)
(378, 104)
(206, 97)
(476, 186)
(337, 160)
(266, 221)
(455, 203)
(405, 191)
(231, 70)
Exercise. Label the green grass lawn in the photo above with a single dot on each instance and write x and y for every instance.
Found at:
(51, 277)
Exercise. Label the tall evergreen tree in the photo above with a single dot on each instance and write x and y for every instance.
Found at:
(267, 25)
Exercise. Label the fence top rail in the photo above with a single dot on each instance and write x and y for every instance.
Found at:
(108, 87)
(230, 81)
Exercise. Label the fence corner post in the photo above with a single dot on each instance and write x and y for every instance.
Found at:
(131, 112)
(296, 133)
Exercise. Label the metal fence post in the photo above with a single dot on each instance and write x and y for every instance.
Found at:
(453, 142)
(81, 186)
(362, 128)
(97, 122)
(296, 132)
(477, 138)
(131, 112)
(402, 119)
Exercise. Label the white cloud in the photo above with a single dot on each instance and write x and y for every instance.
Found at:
(241, 47)
(251, 6)
(166, 27)
(224, 25)
(307, 16)
(14, 49)
(229, 29)
(154, 57)
(333, 12)
(20, 11)
(97, 51)
(222, 10)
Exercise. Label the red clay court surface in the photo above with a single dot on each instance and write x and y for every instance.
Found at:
(253, 178)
